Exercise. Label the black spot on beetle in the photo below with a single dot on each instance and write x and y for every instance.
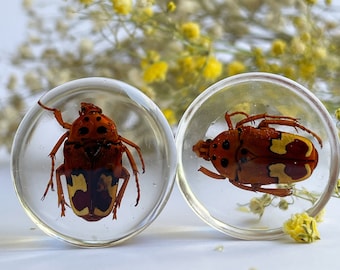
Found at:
(98, 118)
(83, 131)
(101, 130)
(244, 151)
(224, 162)
(225, 145)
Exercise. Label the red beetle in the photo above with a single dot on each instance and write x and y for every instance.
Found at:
(93, 152)
(251, 157)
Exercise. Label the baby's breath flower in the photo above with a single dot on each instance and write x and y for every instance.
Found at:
(302, 228)
(122, 7)
(123, 29)
(256, 206)
(69, 12)
(190, 30)
(235, 67)
(85, 46)
(27, 4)
(32, 81)
(25, 51)
(155, 72)
(12, 82)
(61, 27)
(283, 204)
(278, 47)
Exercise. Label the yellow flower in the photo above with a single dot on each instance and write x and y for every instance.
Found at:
(297, 46)
(86, 2)
(212, 68)
(190, 30)
(302, 228)
(235, 67)
(307, 69)
(278, 47)
(147, 12)
(305, 37)
(311, 2)
(122, 7)
(151, 57)
(170, 116)
(155, 72)
(186, 64)
(171, 7)
(289, 71)
(320, 53)
(337, 115)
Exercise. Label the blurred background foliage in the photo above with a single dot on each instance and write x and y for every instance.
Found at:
(173, 50)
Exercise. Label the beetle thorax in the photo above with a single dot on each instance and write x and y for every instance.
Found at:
(93, 126)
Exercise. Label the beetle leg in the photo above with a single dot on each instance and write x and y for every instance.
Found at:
(61, 198)
(132, 144)
(280, 192)
(291, 123)
(135, 171)
(211, 174)
(126, 176)
(264, 116)
(228, 116)
(57, 115)
(52, 156)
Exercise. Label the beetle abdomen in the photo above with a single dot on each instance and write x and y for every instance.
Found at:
(92, 193)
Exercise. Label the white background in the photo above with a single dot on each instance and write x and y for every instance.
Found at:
(178, 239)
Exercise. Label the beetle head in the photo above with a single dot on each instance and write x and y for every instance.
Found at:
(201, 148)
(87, 108)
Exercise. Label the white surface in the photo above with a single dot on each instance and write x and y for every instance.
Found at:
(176, 240)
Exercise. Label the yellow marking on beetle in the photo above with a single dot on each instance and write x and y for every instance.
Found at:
(278, 170)
(79, 183)
(82, 212)
(279, 145)
(105, 184)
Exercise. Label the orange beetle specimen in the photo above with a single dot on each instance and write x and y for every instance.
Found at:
(251, 157)
(93, 152)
